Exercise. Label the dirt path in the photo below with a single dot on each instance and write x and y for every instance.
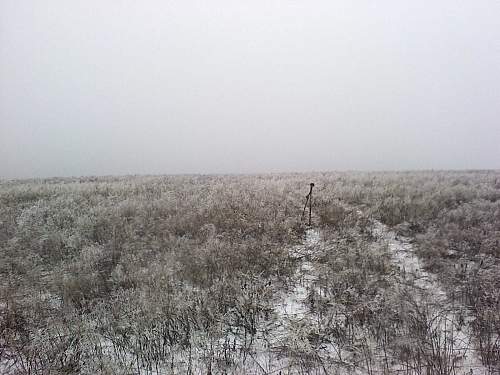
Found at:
(294, 305)
(452, 321)
(292, 309)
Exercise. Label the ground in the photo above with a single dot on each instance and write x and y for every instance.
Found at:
(398, 273)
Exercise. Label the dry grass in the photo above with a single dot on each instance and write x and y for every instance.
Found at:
(179, 274)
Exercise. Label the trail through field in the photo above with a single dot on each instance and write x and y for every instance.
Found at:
(294, 306)
(292, 309)
(450, 323)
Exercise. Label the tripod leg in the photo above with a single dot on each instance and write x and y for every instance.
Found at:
(305, 206)
(310, 207)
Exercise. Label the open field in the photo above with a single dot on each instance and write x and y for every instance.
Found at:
(399, 273)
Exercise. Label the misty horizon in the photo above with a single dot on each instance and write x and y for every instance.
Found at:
(166, 88)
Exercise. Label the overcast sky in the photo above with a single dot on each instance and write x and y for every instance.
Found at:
(236, 86)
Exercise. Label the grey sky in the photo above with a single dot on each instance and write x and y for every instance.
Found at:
(117, 87)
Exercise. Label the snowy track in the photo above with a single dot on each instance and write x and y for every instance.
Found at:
(452, 322)
(294, 305)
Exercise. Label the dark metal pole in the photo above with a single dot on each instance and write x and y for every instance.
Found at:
(310, 202)
(305, 206)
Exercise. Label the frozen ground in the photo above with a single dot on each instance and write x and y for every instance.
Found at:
(274, 347)
(294, 305)
(279, 346)
(452, 320)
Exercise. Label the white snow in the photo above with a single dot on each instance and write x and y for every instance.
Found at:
(448, 325)
(294, 305)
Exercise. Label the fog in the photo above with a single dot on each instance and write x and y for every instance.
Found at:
(161, 87)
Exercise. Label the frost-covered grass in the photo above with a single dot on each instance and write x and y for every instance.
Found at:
(216, 274)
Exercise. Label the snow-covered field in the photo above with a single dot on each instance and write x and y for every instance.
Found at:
(398, 274)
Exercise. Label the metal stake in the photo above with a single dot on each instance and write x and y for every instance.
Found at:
(308, 200)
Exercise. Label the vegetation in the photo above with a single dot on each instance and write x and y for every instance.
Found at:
(185, 274)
